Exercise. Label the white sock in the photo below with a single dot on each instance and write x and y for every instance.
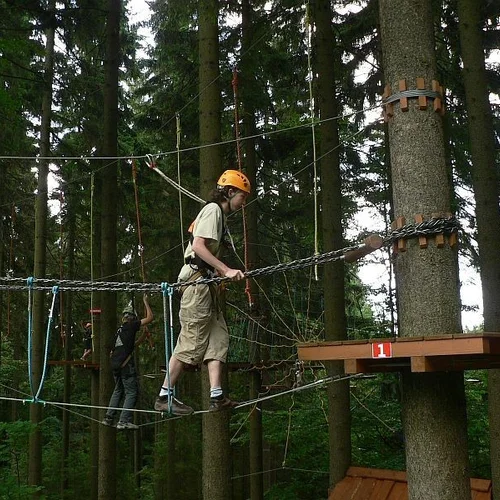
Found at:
(215, 392)
(165, 391)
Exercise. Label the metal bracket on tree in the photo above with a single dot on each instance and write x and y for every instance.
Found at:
(442, 226)
(421, 93)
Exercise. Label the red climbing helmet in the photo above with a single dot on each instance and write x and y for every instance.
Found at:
(236, 179)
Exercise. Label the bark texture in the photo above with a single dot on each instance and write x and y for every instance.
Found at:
(427, 280)
(339, 419)
(485, 183)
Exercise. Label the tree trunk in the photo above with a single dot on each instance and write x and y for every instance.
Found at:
(40, 257)
(434, 416)
(216, 449)
(485, 182)
(68, 347)
(107, 437)
(96, 350)
(250, 130)
(210, 99)
(331, 203)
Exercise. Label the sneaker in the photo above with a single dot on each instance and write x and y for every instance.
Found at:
(178, 407)
(108, 422)
(221, 403)
(127, 425)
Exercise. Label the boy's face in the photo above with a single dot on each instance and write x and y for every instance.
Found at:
(238, 200)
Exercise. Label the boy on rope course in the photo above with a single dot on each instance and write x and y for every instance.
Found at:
(204, 336)
(123, 366)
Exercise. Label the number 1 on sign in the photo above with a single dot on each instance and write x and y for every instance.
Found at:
(382, 350)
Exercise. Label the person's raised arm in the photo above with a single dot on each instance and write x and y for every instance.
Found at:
(149, 314)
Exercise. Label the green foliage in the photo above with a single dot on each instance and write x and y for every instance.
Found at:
(14, 438)
(273, 87)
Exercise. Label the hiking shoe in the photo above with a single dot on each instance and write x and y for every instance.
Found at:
(108, 422)
(221, 403)
(127, 426)
(178, 407)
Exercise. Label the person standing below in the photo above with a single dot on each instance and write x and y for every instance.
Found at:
(204, 336)
(87, 341)
(123, 366)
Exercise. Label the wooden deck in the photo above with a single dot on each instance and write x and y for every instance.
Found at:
(420, 354)
(382, 484)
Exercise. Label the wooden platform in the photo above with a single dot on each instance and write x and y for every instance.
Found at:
(75, 362)
(383, 484)
(420, 354)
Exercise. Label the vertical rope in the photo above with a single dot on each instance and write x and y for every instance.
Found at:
(92, 257)
(55, 290)
(61, 268)
(171, 322)
(234, 82)
(11, 262)
(147, 333)
(30, 331)
(165, 288)
(181, 216)
(288, 431)
(313, 132)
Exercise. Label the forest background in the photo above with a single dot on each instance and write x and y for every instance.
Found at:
(158, 121)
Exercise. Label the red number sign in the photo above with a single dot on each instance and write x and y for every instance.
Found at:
(382, 350)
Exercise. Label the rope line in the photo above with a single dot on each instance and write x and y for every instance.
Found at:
(316, 383)
(241, 476)
(178, 143)
(184, 150)
(248, 289)
(434, 226)
(147, 334)
(310, 79)
(168, 325)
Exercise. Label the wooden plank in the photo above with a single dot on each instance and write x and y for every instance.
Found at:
(428, 347)
(453, 363)
(403, 102)
(346, 489)
(382, 489)
(439, 347)
(399, 492)
(480, 484)
(392, 475)
(365, 489)
(481, 495)
(330, 352)
(410, 339)
(353, 366)
(421, 364)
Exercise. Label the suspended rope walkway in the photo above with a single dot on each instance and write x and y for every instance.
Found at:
(440, 225)
(256, 401)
